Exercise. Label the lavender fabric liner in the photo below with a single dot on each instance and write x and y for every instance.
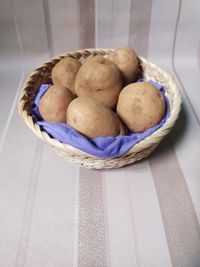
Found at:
(101, 147)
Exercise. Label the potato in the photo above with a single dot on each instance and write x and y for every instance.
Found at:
(93, 119)
(140, 106)
(54, 103)
(100, 79)
(127, 62)
(65, 71)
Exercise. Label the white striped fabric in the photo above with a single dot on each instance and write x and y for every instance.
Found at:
(53, 213)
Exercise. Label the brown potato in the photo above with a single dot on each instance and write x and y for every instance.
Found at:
(54, 103)
(127, 62)
(140, 106)
(93, 119)
(100, 79)
(65, 71)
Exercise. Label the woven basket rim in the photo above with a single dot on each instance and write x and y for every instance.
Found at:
(157, 135)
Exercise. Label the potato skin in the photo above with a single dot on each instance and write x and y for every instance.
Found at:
(127, 62)
(65, 71)
(100, 79)
(54, 103)
(140, 106)
(93, 119)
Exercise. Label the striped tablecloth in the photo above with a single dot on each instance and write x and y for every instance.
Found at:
(55, 214)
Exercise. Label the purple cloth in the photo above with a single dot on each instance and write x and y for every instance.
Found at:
(101, 147)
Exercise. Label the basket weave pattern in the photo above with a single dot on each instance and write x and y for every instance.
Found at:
(142, 149)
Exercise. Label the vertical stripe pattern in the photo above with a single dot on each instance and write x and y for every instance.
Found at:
(31, 192)
(91, 229)
(140, 15)
(198, 56)
(173, 62)
(32, 187)
(87, 23)
(19, 41)
(141, 215)
(179, 218)
(47, 21)
(91, 233)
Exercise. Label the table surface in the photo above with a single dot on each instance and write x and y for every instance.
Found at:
(53, 213)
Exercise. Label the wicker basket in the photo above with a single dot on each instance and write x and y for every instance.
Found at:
(142, 149)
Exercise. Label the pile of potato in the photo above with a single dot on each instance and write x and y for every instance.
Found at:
(100, 97)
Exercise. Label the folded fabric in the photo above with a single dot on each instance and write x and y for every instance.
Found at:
(101, 147)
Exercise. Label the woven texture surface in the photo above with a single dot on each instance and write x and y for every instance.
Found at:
(142, 149)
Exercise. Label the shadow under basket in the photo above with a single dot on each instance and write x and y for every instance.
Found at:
(148, 71)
